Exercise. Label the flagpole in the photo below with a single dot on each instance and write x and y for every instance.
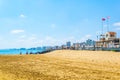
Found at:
(108, 17)
(103, 19)
(107, 25)
(102, 29)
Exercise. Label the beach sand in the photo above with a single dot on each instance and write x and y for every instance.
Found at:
(62, 65)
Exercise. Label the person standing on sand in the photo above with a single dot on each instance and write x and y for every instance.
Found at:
(20, 53)
(26, 53)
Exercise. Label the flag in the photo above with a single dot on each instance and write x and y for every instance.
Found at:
(108, 17)
(103, 19)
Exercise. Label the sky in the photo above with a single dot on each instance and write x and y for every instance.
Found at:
(33, 23)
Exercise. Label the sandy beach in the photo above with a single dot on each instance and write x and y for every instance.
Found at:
(62, 65)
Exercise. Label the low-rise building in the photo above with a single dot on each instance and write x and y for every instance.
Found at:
(108, 40)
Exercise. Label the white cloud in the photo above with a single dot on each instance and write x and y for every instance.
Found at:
(27, 41)
(34, 41)
(85, 37)
(1, 38)
(32, 38)
(50, 41)
(22, 16)
(17, 31)
(117, 28)
(23, 36)
(88, 36)
(53, 25)
(98, 33)
(117, 24)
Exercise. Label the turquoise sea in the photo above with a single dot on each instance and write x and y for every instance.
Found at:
(18, 51)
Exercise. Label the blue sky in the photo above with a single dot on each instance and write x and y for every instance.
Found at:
(31, 23)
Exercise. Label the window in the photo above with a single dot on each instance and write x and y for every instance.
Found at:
(106, 35)
(111, 35)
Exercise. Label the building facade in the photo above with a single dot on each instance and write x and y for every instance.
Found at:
(68, 44)
(109, 40)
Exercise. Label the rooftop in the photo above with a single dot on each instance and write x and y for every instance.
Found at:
(112, 33)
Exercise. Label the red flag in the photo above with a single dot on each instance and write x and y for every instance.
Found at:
(103, 19)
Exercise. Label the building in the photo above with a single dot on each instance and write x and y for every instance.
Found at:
(110, 35)
(108, 40)
(68, 44)
(76, 46)
(64, 47)
(56, 47)
(90, 43)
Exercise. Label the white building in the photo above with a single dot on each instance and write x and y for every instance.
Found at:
(108, 40)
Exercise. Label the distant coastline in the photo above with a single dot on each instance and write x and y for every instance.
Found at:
(18, 51)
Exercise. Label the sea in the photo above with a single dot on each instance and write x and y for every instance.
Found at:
(18, 51)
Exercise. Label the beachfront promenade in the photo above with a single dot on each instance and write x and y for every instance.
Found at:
(81, 48)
